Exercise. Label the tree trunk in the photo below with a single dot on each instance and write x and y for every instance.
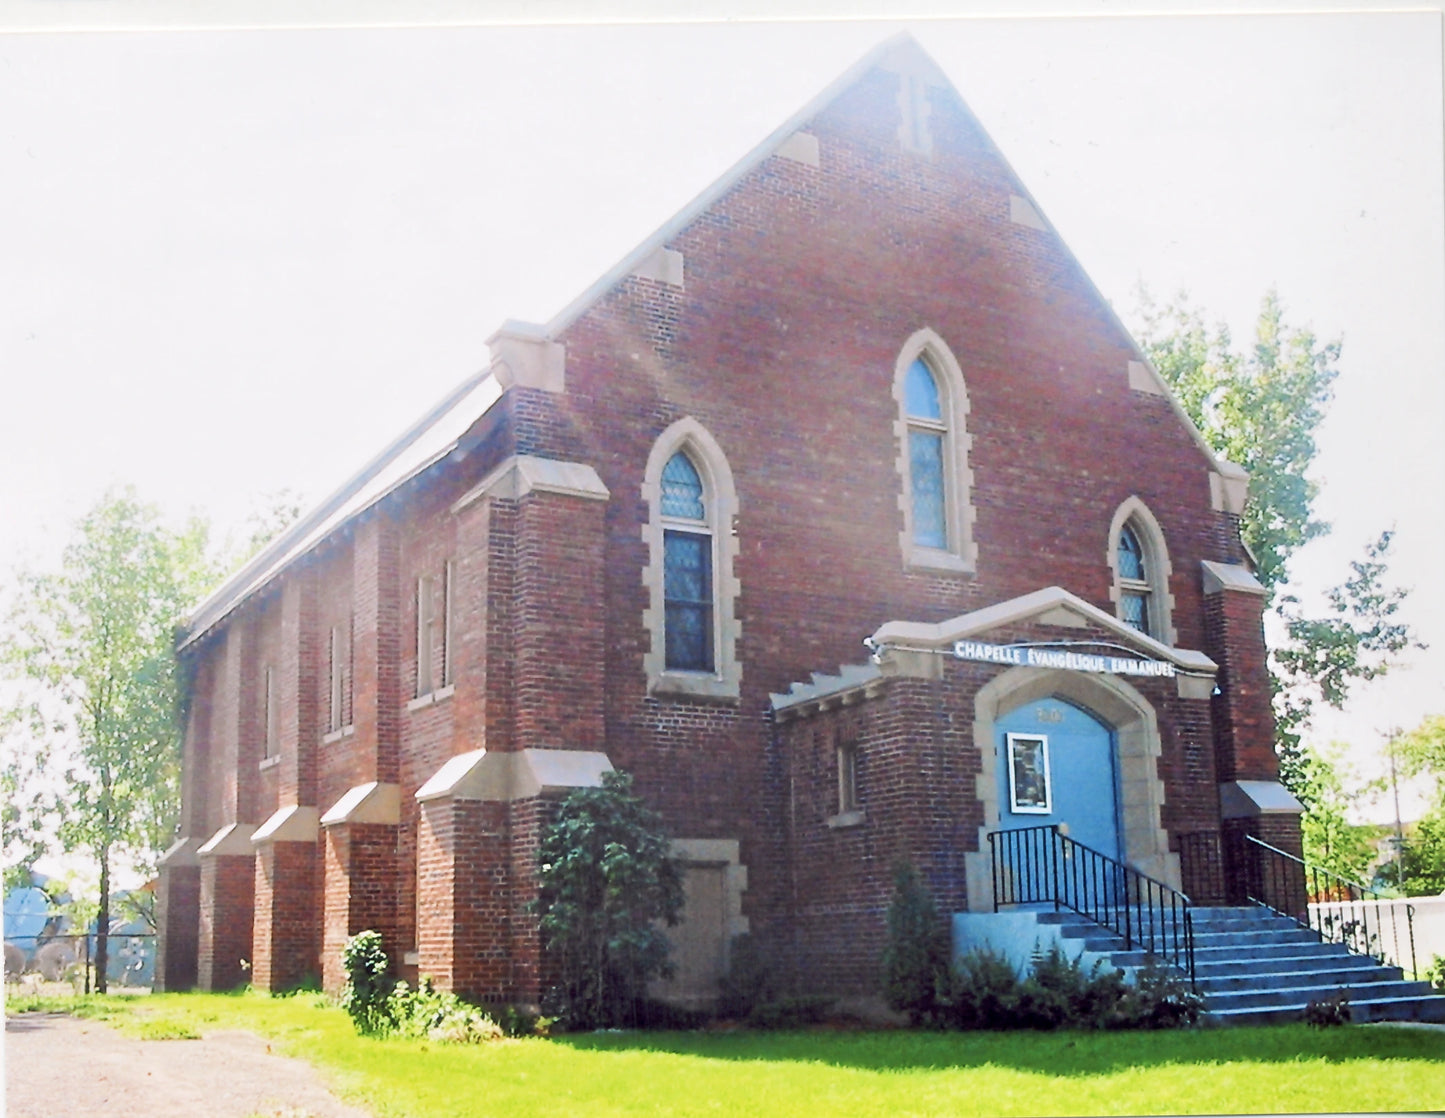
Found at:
(102, 924)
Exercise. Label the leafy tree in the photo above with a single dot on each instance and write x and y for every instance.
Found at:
(24, 804)
(91, 646)
(1323, 657)
(1422, 751)
(1423, 859)
(1423, 748)
(607, 880)
(1262, 410)
(1331, 841)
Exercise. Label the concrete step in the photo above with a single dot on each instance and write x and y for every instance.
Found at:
(1303, 995)
(1363, 976)
(1427, 1008)
(1219, 963)
(1263, 937)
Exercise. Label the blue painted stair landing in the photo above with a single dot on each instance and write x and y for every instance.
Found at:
(1252, 966)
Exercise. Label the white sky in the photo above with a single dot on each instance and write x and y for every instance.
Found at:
(233, 261)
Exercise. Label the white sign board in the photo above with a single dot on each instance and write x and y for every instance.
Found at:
(1029, 657)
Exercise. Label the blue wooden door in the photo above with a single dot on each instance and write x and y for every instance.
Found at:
(1056, 765)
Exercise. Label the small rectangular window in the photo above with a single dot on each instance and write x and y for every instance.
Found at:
(448, 620)
(425, 626)
(847, 777)
(339, 654)
(269, 743)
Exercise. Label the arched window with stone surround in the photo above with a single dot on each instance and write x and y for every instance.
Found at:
(687, 545)
(933, 445)
(690, 616)
(1139, 562)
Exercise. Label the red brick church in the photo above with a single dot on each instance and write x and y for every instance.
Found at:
(842, 513)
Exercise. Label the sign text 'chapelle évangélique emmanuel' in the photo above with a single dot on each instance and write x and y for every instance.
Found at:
(1059, 658)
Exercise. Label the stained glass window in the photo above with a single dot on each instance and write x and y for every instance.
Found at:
(1135, 609)
(682, 489)
(1134, 577)
(920, 393)
(1131, 555)
(925, 454)
(687, 595)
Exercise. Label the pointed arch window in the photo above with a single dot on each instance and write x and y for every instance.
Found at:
(691, 612)
(1134, 589)
(1140, 564)
(928, 487)
(686, 569)
(933, 456)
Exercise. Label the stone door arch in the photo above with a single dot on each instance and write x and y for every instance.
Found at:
(1144, 842)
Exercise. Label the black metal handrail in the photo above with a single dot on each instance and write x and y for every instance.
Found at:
(1036, 865)
(1337, 909)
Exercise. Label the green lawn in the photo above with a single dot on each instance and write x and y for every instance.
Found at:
(1219, 1071)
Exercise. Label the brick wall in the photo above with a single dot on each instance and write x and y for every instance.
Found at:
(287, 924)
(227, 894)
(1243, 714)
(178, 915)
(801, 285)
(360, 889)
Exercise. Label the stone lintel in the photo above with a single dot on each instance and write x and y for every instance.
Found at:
(1228, 487)
(1247, 799)
(182, 852)
(665, 265)
(1219, 577)
(526, 473)
(1143, 379)
(801, 147)
(232, 839)
(523, 355)
(504, 777)
(292, 823)
(1195, 686)
(366, 803)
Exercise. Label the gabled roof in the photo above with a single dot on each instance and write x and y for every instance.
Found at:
(435, 435)
(426, 442)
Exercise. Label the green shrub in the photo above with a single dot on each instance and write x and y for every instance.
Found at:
(439, 1015)
(1160, 998)
(607, 882)
(1324, 1013)
(981, 992)
(915, 959)
(1435, 973)
(368, 983)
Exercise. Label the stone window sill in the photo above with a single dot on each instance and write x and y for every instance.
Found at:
(694, 685)
(337, 735)
(269, 762)
(933, 559)
(855, 818)
(432, 698)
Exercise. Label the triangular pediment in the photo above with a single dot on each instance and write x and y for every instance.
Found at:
(1053, 606)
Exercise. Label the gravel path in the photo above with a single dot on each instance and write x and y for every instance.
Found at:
(55, 1064)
